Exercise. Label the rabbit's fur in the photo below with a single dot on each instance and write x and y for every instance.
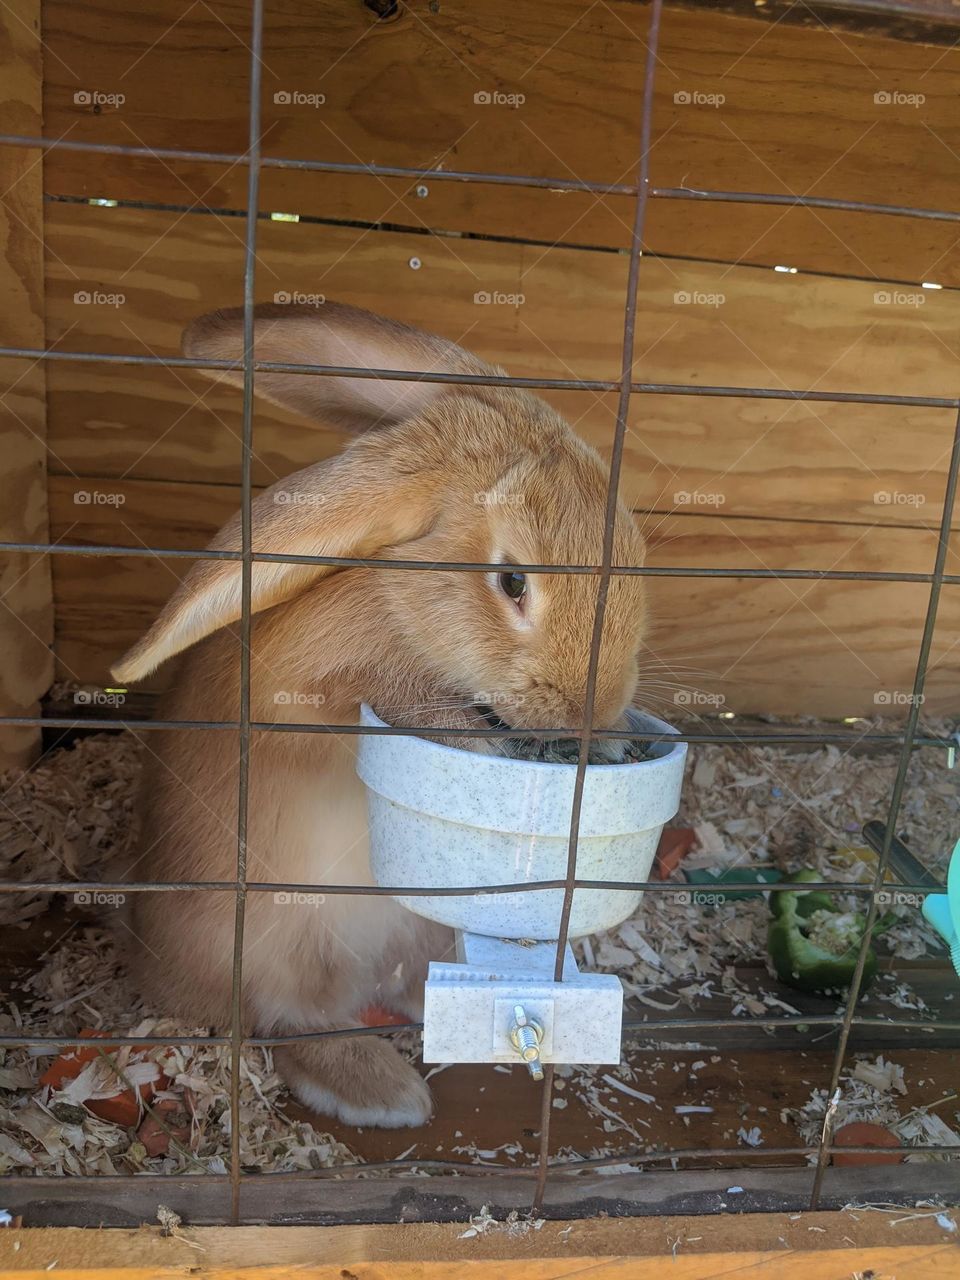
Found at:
(443, 472)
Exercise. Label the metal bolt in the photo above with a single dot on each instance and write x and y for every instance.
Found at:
(414, 264)
(422, 191)
(526, 1037)
(527, 1043)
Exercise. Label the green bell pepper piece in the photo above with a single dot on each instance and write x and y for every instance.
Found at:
(800, 926)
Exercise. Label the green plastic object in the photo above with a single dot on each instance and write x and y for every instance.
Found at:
(705, 878)
(942, 910)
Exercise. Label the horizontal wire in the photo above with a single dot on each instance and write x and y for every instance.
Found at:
(805, 202)
(487, 177)
(488, 1168)
(446, 891)
(596, 1162)
(484, 380)
(233, 159)
(720, 738)
(631, 1027)
(699, 1153)
(835, 1021)
(468, 566)
(318, 370)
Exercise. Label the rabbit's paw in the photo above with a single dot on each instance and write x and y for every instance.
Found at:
(362, 1081)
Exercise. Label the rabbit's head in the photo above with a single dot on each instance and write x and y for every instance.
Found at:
(440, 472)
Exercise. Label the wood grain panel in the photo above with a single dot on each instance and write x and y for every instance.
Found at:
(26, 621)
(769, 646)
(798, 115)
(705, 1247)
(764, 458)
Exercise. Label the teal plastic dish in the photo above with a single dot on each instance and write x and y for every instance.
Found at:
(942, 910)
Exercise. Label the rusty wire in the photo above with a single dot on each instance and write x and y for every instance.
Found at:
(246, 596)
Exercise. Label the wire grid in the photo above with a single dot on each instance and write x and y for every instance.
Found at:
(240, 887)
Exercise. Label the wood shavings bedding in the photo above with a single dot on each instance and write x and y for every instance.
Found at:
(872, 1090)
(66, 817)
(36, 1135)
(72, 813)
(514, 1225)
(786, 808)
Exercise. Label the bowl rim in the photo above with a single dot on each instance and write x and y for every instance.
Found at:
(369, 717)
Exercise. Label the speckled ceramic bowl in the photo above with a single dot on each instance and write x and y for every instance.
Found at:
(442, 818)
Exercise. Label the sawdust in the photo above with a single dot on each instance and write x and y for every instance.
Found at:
(784, 808)
(80, 984)
(873, 1090)
(514, 1225)
(66, 818)
(71, 814)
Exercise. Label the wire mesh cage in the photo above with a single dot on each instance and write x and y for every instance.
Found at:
(536, 1180)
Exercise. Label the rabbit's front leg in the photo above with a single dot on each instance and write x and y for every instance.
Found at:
(361, 1080)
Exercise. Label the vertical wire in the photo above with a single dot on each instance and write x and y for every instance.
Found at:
(606, 560)
(896, 796)
(246, 575)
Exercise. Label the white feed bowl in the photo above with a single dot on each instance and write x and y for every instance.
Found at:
(441, 817)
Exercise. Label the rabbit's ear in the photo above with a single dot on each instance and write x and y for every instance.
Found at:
(332, 334)
(378, 494)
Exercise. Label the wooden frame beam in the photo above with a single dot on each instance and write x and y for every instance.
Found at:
(328, 1201)
(806, 1247)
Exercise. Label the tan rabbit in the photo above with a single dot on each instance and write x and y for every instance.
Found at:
(476, 474)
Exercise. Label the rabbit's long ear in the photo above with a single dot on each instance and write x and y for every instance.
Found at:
(380, 493)
(332, 334)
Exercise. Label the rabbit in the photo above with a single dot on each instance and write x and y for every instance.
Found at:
(436, 472)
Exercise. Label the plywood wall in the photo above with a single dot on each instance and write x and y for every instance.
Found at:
(798, 116)
(151, 457)
(26, 614)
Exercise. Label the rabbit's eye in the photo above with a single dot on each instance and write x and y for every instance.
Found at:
(513, 585)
